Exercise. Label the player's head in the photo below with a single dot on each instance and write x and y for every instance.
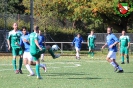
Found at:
(15, 26)
(24, 30)
(92, 32)
(36, 29)
(78, 35)
(123, 32)
(109, 30)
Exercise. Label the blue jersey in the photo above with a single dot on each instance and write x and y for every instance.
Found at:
(26, 45)
(111, 38)
(77, 42)
(41, 40)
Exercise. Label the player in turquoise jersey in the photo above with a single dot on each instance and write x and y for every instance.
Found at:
(91, 43)
(124, 45)
(36, 50)
(13, 40)
(27, 58)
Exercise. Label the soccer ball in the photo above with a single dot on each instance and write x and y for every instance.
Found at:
(55, 47)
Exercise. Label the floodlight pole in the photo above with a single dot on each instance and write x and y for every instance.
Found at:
(31, 16)
(5, 15)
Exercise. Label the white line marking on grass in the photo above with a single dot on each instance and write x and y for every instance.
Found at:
(75, 64)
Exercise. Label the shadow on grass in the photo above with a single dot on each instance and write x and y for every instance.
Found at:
(128, 72)
(85, 78)
(64, 74)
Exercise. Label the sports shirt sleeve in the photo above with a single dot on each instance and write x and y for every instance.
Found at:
(115, 38)
(128, 39)
(73, 41)
(21, 42)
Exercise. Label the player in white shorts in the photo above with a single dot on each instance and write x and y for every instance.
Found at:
(111, 55)
(77, 42)
(111, 42)
(28, 60)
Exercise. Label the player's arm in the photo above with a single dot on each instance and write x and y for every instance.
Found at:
(73, 42)
(37, 44)
(94, 40)
(119, 44)
(88, 41)
(104, 45)
(128, 42)
(8, 41)
(115, 43)
(26, 40)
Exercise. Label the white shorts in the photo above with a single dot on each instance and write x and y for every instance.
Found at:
(111, 55)
(28, 56)
(77, 49)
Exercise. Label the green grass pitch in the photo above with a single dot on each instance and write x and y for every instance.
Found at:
(67, 72)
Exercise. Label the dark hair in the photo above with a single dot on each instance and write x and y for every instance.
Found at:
(123, 30)
(110, 28)
(78, 34)
(36, 27)
(24, 28)
(92, 30)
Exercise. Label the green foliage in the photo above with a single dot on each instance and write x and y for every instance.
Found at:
(12, 6)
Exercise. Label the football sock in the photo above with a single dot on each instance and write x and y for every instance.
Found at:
(42, 56)
(127, 57)
(51, 52)
(14, 64)
(20, 63)
(119, 68)
(41, 65)
(92, 54)
(113, 64)
(29, 68)
(122, 58)
(37, 70)
(77, 54)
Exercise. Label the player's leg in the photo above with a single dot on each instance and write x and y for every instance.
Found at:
(20, 51)
(122, 59)
(113, 59)
(89, 52)
(92, 50)
(14, 60)
(42, 57)
(31, 62)
(41, 65)
(36, 59)
(77, 52)
(118, 67)
(122, 51)
(127, 54)
(27, 58)
(51, 52)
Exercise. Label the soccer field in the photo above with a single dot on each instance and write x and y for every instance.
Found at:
(67, 72)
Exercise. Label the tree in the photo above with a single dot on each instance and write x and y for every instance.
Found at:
(81, 12)
(12, 6)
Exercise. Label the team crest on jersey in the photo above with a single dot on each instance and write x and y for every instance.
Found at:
(123, 7)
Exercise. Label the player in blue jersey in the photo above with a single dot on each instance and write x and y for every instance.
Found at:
(41, 42)
(27, 57)
(77, 42)
(111, 42)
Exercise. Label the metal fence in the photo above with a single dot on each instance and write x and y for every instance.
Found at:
(100, 40)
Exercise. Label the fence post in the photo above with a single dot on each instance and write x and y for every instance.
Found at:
(61, 46)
